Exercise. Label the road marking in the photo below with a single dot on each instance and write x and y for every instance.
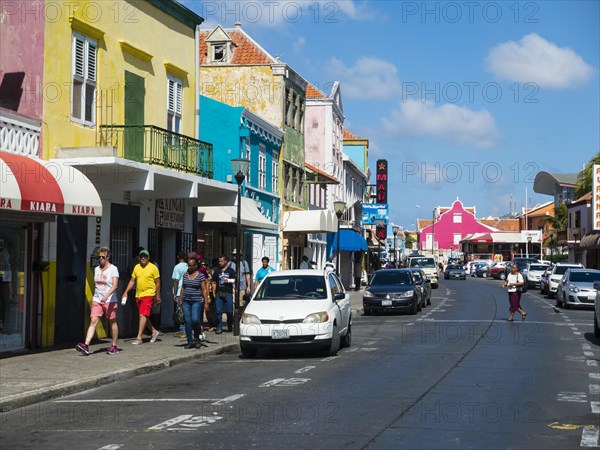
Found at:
(368, 344)
(231, 398)
(595, 407)
(594, 389)
(330, 358)
(565, 426)
(285, 382)
(589, 436)
(305, 369)
(577, 333)
(579, 397)
(594, 376)
(111, 447)
(187, 422)
(588, 353)
(586, 346)
(575, 358)
(592, 363)
(170, 422)
(368, 349)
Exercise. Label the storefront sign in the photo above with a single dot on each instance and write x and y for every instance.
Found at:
(170, 213)
(370, 212)
(596, 197)
(382, 181)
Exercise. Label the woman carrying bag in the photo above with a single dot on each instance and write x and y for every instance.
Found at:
(192, 300)
(514, 284)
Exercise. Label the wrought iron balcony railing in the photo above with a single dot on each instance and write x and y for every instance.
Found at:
(154, 145)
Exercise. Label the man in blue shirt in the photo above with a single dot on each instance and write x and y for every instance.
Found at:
(263, 271)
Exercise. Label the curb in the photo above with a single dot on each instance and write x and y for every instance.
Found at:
(72, 387)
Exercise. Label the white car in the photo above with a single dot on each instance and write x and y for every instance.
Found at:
(533, 274)
(556, 275)
(297, 309)
(597, 310)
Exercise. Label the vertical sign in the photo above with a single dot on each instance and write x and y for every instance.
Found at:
(382, 181)
(381, 232)
(596, 197)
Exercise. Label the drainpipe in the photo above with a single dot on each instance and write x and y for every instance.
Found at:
(197, 87)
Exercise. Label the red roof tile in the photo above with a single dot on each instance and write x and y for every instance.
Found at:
(313, 92)
(245, 52)
(348, 134)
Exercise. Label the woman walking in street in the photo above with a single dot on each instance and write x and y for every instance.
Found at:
(193, 297)
(514, 282)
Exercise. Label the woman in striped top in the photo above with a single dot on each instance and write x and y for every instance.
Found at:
(192, 300)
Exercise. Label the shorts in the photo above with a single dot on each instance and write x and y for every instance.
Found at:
(108, 309)
(144, 305)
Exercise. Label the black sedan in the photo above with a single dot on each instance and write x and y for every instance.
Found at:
(455, 272)
(392, 290)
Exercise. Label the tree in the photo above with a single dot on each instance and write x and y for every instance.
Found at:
(584, 178)
(408, 243)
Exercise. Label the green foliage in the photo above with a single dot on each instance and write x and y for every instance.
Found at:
(584, 178)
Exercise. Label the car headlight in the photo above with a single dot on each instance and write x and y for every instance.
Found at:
(250, 319)
(320, 317)
(408, 293)
(573, 288)
(368, 294)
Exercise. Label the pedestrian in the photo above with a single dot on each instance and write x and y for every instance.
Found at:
(514, 282)
(178, 272)
(357, 274)
(211, 312)
(329, 266)
(146, 277)
(104, 302)
(261, 273)
(222, 287)
(305, 264)
(194, 292)
(245, 274)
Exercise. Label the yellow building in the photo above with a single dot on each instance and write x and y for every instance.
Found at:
(121, 105)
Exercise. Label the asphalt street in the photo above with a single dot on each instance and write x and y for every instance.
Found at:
(457, 375)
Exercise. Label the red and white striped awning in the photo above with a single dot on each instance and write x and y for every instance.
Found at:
(28, 184)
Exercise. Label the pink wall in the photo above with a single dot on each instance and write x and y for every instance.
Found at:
(445, 227)
(22, 40)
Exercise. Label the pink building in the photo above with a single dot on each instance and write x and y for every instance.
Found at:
(451, 225)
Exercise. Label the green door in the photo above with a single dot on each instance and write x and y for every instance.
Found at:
(133, 136)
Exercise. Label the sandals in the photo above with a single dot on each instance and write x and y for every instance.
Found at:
(510, 319)
(523, 316)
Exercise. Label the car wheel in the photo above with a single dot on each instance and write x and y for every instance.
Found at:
(550, 294)
(347, 339)
(335, 342)
(367, 312)
(429, 300)
(415, 309)
(484, 275)
(248, 352)
(565, 302)
(503, 276)
(596, 327)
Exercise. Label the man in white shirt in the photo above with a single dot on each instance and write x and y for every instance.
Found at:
(305, 264)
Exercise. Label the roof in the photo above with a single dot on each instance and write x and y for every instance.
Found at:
(586, 198)
(320, 176)
(178, 11)
(313, 92)
(503, 224)
(546, 183)
(348, 134)
(246, 50)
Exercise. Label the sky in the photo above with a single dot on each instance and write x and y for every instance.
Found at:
(465, 99)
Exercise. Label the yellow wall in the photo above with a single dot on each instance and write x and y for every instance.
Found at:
(140, 25)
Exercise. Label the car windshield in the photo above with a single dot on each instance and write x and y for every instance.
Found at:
(538, 267)
(293, 286)
(422, 262)
(387, 278)
(560, 270)
(454, 267)
(417, 276)
(585, 277)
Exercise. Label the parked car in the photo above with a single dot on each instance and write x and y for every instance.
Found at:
(597, 311)
(392, 290)
(297, 308)
(521, 263)
(576, 288)
(425, 284)
(533, 273)
(455, 271)
(474, 268)
(498, 270)
(556, 275)
(429, 266)
(482, 270)
(544, 278)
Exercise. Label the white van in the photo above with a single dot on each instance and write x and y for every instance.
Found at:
(429, 266)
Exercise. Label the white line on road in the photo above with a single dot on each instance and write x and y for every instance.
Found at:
(111, 447)
(133, 400)
(170, 422)
(586, 346)
(595, 389)
(594, 376)
(589, 436)
(588, 353)
(579, 397)
(330, 358)
(231, 398)
(305, 369)
(592, 363)
(285, 382)
(595, 407)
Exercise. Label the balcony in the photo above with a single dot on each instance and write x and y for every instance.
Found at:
(575, 234)
(153, 145)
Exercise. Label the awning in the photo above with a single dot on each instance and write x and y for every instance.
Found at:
(590, 240)
(314, 221)
(28, 184)
(350, 241)
(251, 216)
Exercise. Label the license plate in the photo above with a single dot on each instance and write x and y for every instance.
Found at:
(280, 334)
(386, 303)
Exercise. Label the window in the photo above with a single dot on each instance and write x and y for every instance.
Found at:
(174, 90)
(457, 237)
(457, 218)
(274, 176)
(220, 53)
(262, 167)
(83, 101)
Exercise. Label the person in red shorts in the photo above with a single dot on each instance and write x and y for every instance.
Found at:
(146, 277)
(104, 302)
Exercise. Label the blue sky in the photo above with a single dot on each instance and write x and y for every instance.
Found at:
(464, 99)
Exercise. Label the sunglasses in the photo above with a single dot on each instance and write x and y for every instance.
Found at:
(102, 257)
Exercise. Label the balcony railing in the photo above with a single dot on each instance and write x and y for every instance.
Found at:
(154, 145)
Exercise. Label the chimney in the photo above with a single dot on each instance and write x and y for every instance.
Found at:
(238, 24)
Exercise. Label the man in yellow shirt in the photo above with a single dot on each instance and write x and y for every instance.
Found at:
(146, 277)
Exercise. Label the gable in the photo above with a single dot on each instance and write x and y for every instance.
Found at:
(218, 35)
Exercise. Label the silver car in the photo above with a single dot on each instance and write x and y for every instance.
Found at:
(533, 273)
(576, 288)
(556, 275)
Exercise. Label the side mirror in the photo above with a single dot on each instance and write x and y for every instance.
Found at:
(339, 296)
(597, 285)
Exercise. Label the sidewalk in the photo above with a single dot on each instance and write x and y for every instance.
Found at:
(34, 378)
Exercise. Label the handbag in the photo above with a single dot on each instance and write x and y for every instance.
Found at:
(522, 289)
(178, 316)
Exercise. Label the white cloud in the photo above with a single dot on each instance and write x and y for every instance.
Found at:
(368, 79)
(449, 122)
(535, 60)
(299, 44)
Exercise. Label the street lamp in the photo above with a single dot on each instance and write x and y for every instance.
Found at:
(339, 207)
(240, 168)
(528, 244)
(395, 231)
(379, 222)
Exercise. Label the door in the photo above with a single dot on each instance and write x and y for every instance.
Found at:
(133, 135)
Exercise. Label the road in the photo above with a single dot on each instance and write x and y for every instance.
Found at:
(457, 375)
